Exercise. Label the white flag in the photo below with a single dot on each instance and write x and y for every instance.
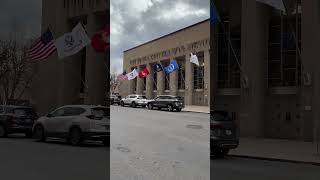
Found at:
(194, 59)
(72, 42)
(132, 74)
(278, 4)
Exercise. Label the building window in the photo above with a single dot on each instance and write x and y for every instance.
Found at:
(83, 70)
(229, 56)
(167, 76)
(284, 60)
(198, 72)
(181, 72)
(155, 80)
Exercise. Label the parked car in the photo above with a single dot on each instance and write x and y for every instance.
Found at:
(16, 119)
(134, 101)
(167, 101)
(114, 99)
(223, 133)
(75, 123)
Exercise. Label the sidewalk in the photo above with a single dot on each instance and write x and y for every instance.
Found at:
(199, 109)
(274, 149)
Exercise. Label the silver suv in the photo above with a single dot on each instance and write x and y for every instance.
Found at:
(134, 101)
(75, 123)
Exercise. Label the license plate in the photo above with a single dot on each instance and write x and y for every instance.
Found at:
(228, 132)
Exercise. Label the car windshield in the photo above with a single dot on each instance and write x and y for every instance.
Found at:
(219, 116)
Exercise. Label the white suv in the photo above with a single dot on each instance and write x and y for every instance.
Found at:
(75, 123)
(134, 101)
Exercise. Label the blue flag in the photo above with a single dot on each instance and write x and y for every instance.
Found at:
(158, 67)
(173, 66)
(214, 15)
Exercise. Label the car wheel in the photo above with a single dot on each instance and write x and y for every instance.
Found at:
(133, 104)
(122, 103)
(150, 106)
(170, 107)
(75, 136)
(106, 142)
(3, 131)
(39, 134)
(178, 109)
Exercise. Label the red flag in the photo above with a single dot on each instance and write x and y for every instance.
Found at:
(144, 73)
(100, 40)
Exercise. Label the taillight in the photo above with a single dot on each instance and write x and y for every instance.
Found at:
(216, 126)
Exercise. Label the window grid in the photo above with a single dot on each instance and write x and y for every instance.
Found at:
(284, 62)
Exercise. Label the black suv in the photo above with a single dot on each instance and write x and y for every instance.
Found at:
(167, 101)
(223, 133)
(114, 99)
(16, 119)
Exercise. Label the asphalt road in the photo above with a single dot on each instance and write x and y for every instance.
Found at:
(159, 145)
(22, 158)
(246, 169)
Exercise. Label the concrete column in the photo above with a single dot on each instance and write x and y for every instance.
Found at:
(213, 65)
(149, 82)
(189, 81)
(50, 74)
(310, 94)
(160, 82)
(254, 53)
(140, 83)
(207, 76)
(174, 83)
(96, 69)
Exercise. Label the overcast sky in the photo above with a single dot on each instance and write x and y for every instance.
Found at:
(20, 16)
(136, 22)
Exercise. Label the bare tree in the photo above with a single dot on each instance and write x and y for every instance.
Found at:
(16, 72)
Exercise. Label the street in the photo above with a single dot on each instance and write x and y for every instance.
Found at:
(23, 158)
(159, 145)
(232, 168)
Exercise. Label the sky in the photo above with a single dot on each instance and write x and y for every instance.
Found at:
(21, 17)
(136, 22)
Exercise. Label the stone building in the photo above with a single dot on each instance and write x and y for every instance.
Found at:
(78, 79)
(275, 93)
(190, 82)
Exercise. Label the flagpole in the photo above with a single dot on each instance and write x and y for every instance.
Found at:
(232, 49)
(165, 75)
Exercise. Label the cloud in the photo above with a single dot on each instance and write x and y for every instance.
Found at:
(136, 22)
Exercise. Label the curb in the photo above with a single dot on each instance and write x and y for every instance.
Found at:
(196, 112)
(276, 159)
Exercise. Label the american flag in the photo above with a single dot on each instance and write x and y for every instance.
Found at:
(42, 48)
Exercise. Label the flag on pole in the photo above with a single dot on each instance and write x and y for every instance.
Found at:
(132, 74)
(278, 4)
(144, 73)
(101, 40)
(214, 15)
(158, 67)
(122, 77)
(72, 42)
(194, 59)
(42, 48)
(173, 66)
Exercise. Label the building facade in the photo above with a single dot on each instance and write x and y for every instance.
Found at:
(268, 78)
(78, 79)
(190, 82)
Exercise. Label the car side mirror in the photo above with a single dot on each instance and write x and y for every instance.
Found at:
(49, 115)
